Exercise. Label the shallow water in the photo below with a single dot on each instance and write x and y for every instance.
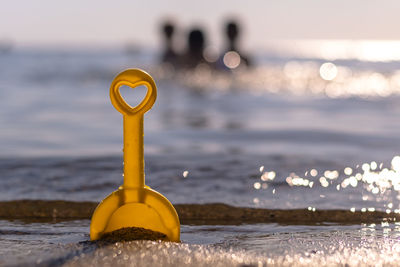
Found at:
(278, 136)
(67, 243)
(232, 178)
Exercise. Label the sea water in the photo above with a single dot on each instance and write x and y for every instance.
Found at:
(290, 133)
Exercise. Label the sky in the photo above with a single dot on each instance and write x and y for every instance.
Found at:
(104, 22)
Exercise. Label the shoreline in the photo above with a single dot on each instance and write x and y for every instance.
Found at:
(194, 214)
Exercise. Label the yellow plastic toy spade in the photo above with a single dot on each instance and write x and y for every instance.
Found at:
(134, 204)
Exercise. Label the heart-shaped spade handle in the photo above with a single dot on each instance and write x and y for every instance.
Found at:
(133, 122)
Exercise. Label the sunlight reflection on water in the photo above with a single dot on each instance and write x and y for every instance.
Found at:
(378, 183)
(295, 77)
(364, 50)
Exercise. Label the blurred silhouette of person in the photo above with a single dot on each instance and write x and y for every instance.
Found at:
(169, 55)
(195, 49)
(231, 58)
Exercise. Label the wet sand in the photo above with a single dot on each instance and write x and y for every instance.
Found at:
(131, 234)
(194, 214)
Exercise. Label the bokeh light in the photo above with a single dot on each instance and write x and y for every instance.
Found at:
(231, 59)
(328, 71)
